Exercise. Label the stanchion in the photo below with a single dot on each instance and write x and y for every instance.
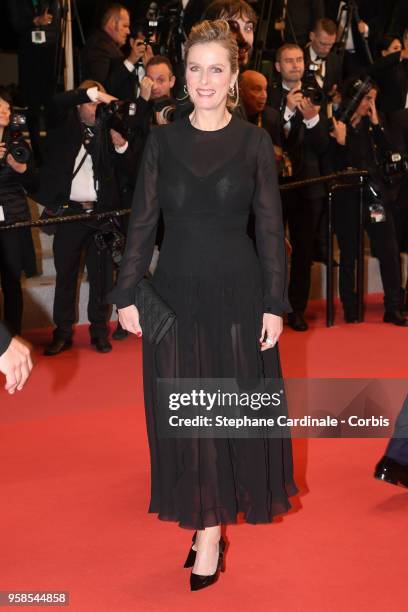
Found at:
(360, 254)
(358, 174)
(330, 254)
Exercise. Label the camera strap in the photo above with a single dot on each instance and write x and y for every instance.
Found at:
(79, 166)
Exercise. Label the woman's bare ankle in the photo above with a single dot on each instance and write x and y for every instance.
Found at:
(209, 535)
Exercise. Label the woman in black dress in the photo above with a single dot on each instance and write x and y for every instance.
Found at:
(205, 172)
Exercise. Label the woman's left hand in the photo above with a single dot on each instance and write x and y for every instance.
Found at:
(272, 326)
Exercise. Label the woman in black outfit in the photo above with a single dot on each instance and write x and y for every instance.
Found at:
(205, 172)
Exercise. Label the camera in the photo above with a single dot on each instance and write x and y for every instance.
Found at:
(352, 96)
(394, 165)
(311, 88)
(166, 107)
(162, 29)
(15, 145)
(111, 240)
(115, 115)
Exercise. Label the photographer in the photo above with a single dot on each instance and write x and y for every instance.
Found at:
(36, 25)
(319, 53)
(17, 176)
(103, 59)
(364, 143)
(159, 71)
(391, 74)
(79, 176)
(306, 139)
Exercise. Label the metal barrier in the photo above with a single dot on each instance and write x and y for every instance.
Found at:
(334, 185)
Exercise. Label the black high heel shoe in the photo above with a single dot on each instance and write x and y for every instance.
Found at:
(191, 553)
(198, 582)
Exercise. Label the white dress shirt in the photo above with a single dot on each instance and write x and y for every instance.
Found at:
(288, 114)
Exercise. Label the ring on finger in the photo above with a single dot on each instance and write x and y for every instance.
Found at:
(270, 341)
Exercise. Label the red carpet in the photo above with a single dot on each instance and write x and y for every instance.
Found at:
(75, 485)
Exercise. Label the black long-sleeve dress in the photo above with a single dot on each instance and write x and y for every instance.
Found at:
(205, 182)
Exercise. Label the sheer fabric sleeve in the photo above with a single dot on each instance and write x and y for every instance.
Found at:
(142, 227)
(269, 230)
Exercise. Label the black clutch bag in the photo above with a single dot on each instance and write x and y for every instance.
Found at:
(156, 317)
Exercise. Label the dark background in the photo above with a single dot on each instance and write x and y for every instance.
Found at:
(89, 12)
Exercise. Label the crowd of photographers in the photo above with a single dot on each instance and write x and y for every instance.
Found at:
(332, 100)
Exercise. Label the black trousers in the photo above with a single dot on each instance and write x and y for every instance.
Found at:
(302, 216)
(12, 243)
(383, 245)
(71, 240)
(397, 447)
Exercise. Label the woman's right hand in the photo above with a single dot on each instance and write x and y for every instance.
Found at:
(129, 320)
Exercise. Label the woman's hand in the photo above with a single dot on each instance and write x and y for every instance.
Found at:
(129, 320)
(372, 113)
(339, 131)
(272, 327)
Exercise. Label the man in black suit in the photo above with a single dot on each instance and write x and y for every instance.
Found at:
(79, 176)
(15, 361)
(318, 53)
(103, 59)
(327, 69)
(306, 139)
(36, 60)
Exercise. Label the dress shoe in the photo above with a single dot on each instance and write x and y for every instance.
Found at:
(120, 333)
(189, 562)
(102, 345)
(57, 346)
(297, 322)
(396, 317)
(198, 582)
(391, 471)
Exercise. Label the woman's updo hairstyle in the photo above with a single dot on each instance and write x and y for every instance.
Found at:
(217, 31)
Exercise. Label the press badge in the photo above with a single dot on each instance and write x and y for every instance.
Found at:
(38, 37)
(377, 213)
(2, 217)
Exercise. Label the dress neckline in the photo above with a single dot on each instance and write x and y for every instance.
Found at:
(191, 126)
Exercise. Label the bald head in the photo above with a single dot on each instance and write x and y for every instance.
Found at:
(253, 88)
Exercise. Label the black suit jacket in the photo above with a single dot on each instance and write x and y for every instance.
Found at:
(5, 339)
(64, 140)
(272, 123)
(102, 61)
(333, 64)
(305, 147)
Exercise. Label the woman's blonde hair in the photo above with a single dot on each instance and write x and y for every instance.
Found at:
(217, 31)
